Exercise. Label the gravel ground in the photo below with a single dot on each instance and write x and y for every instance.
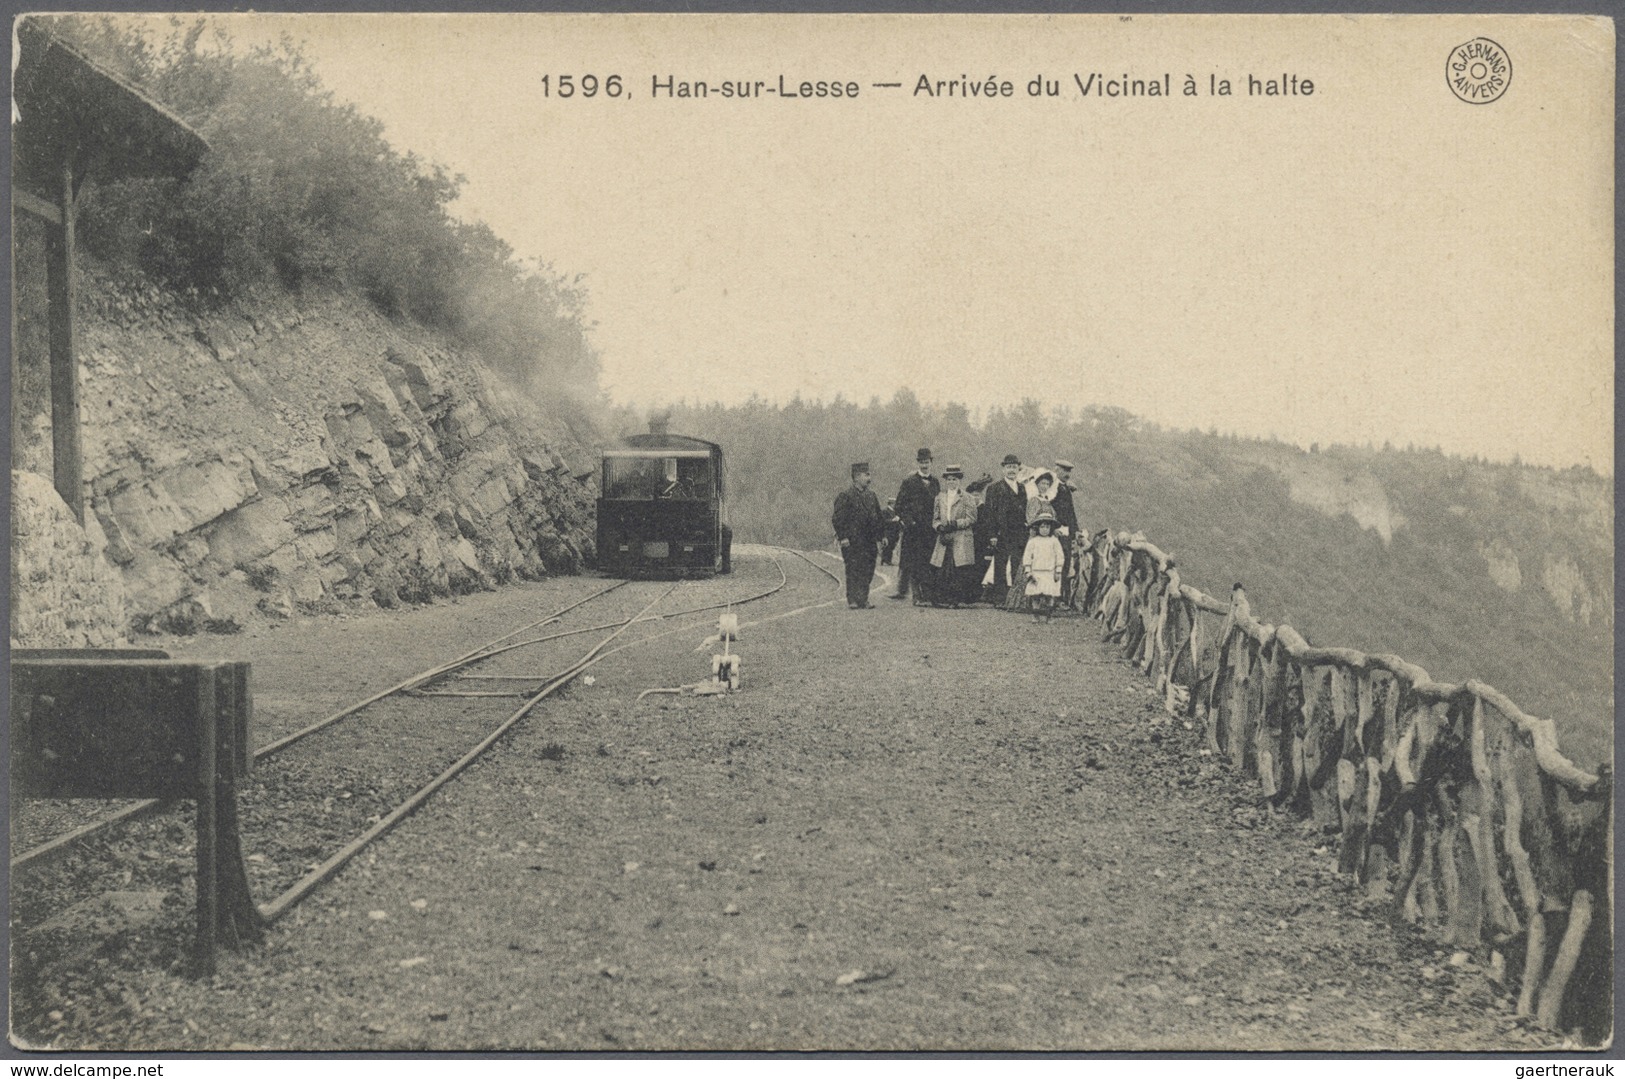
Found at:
(912, 829)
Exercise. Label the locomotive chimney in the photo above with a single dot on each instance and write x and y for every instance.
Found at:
(659, 423)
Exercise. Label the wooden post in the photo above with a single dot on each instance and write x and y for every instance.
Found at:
(1481, 823)
(1409, 861)
(1534, 963)
(67, 468)
(1274, 735)
(1354, 773)
(1431, 881)
(1319, 749)
(238, 920)
(1512, 841)
(16, 370)
(208, 876)
(1467, 915)
(1241, 718)
(1218, 730)
(1550, 1010)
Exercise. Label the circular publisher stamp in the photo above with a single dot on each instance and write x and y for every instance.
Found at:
(1478, 71)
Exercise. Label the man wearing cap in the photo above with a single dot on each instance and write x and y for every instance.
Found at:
(858, 526)
(1005, 510)
(1066, 519)
(915, 501)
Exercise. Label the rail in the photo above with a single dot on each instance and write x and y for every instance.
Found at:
(1454, 806)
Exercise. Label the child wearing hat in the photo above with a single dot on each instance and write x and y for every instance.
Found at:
(1042, 563)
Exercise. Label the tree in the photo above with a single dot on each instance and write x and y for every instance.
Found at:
(303, 191)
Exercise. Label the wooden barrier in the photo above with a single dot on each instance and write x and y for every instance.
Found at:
(1450, 802)
(99, 723)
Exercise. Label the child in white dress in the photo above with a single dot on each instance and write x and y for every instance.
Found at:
(1042, 563)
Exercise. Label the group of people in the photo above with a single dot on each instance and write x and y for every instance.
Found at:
(1008, 541)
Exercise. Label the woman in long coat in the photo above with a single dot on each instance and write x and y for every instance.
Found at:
(954, 521)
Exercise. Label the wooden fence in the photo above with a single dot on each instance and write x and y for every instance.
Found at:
(1452, 803)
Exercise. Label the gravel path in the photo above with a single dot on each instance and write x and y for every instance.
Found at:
(912, 829)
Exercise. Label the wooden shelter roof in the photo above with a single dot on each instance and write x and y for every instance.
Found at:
(71, 110)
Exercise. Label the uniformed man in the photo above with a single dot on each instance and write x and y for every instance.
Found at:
(858, 527)
(1066, 521)
(916, 500)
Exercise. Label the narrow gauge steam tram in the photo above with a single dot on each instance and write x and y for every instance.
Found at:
(662, 511)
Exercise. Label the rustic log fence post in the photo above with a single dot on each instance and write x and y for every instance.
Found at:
(1467, 796)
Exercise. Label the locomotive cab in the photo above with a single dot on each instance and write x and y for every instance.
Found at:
(662, 510)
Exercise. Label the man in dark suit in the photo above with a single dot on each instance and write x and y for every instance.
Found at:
(916, 500)
(1005, 507)
(859, 527)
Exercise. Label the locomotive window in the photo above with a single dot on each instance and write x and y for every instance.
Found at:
(692, 479)
(633, 477)
(686, 479)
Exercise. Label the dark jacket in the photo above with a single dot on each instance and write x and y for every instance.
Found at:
(1065, 513)
(916, 500)
(1005, 510)
(891, 524)
(857, 517)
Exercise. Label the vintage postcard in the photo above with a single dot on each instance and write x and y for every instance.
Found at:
(811, 532)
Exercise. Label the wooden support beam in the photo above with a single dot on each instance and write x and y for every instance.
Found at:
(33, 204)
(67, 466)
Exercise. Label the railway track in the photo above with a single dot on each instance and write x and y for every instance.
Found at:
(62, 843)
(316, 789)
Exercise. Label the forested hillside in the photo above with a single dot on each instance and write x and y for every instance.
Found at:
(302, 192)
(1501, 572)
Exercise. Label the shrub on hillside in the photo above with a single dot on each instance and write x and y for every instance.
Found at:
(304, 191)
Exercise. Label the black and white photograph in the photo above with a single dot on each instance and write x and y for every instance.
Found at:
(766, 533)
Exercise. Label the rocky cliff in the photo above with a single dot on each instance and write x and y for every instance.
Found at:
(284, 453)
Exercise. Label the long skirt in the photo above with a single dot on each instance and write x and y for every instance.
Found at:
(957, 584)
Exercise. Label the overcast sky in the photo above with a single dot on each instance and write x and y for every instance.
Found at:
(1375, 261)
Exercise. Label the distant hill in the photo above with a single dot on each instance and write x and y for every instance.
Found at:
(1500, 572)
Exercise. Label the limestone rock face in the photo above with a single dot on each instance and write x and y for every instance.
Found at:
(1502, 562)
(1566, 586)
(282, 453)
(64, 593)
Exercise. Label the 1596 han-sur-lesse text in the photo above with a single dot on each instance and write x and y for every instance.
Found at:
(1080, 86)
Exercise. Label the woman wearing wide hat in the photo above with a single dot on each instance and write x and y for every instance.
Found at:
(954, 558)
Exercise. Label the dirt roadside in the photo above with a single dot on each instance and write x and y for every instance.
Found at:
(912, 829)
